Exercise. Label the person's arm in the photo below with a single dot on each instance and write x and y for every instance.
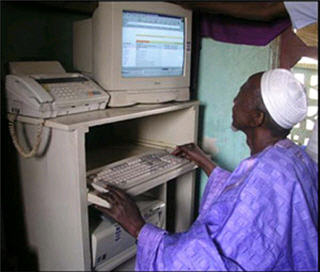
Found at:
(259, 11)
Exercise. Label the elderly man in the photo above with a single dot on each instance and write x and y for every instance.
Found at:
(260, 217)
(304, 19)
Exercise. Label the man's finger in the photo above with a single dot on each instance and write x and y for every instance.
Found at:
(117, 192)
(104, 210)
(111, 198)
(176, 152)
(184, 149)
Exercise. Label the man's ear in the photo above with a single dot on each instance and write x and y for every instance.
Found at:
(257, 118)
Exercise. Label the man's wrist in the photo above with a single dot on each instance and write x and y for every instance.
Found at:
(207, 165)
(137, 228)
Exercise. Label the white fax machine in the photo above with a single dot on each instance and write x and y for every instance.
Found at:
(51, 93)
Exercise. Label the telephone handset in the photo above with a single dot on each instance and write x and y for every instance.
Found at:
(29, 88)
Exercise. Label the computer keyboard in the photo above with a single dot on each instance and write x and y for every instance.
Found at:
(135, 170)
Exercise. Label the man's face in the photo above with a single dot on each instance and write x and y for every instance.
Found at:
(243, 104)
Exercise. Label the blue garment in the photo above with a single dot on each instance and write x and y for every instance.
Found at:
(261, 217)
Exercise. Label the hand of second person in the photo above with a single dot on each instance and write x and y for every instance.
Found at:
(123, 210)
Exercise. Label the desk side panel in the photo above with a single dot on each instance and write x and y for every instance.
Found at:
(55, 203)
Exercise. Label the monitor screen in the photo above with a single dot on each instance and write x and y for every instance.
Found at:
(152, 45)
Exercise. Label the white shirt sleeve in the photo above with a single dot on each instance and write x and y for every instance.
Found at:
(302, 13)
(312, 147)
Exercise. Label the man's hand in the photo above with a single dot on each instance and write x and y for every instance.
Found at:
(193, 153)
(123, 210)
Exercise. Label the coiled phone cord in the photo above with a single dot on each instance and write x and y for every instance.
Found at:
(12, 129)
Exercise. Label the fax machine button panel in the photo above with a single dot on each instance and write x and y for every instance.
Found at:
(73, 90)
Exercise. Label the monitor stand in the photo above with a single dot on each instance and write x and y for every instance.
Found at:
(132, 97)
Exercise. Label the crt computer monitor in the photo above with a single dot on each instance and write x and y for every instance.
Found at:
(141, 51)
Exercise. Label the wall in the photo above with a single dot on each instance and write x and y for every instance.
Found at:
(33, 32)
(223, 69)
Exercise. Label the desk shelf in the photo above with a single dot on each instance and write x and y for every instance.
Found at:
(54, 182)
(109, 115)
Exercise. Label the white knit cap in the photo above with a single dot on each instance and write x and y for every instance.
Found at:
(284, 97)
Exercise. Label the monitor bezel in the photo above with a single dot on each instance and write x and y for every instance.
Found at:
(109, 15)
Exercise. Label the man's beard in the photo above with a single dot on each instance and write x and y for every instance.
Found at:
(234, 129)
